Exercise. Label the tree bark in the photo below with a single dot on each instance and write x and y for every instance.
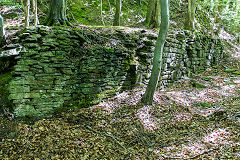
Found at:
(156, 16)
(117, 13)
(189, 22)
(218, 19)
(35, 12)
(153, 14)
(101, 13)
(149, 11)
(157, 59)
(2, 31)
(57, 14)
(27, 13)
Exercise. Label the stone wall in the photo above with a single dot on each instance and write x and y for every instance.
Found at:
(62, 66)
(185, 54)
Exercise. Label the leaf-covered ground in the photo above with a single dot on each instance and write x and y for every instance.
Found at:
(197, 117)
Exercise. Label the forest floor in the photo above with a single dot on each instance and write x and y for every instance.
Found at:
(196, 118)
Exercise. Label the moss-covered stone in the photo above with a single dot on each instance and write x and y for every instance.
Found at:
(5, 78)
(63, 65)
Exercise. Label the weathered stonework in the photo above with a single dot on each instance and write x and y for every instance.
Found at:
(62, 66)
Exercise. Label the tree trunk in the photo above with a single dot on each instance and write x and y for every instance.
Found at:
(57, 14)
(149, 11)
(27, 13)
(153, 14)
(155, 20)
(218, 19)
(102, 12)
(117, 13)
(2, 31)
(157, 59)
(35, 12)
(189, 22)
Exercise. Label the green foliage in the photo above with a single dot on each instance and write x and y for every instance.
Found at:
(230, 69)
(225, 13)
(110, 50)
(205, 105)
(196, 84)
(89, 13)
(206, 78)
(237, 72)
(9, 3)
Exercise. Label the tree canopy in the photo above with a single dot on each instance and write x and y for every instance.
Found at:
(210, 15)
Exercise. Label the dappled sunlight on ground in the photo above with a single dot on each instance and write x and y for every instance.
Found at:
(189, 102)
(123, 99)
(147, 119)
(213, 141)
(184, 98)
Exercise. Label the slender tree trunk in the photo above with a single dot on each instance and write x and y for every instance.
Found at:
(102, 14)
(57, 15)
(150, 11)
(237, 9)
(189, 22)
(35, 12)
(2, 31)
(156, 16)
(117, 13)
(157, 59)
(27, 13)
(218, 19)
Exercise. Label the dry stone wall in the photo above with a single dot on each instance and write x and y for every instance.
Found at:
(62, 66)
(185, 54)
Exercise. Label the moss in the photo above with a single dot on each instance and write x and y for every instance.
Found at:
(237, 72)
(132, 60)
(108, 93)
(230, 70)
(85, 102)
(89, 100)
(197, 85)
(206, 78)
(206, 105)
(4, 81)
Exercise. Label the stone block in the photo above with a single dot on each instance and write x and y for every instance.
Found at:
(47, 54)
(33, 95)
(86, 85)
(19, 89)
(86, 90)
(31, 45)
(49, 70)
(21, 68)
(33, 38)
(14, 96)
(21, 101)
(26, 110)
(21, 81)
(67, 71)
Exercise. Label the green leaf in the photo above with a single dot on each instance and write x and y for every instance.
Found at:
(150, 150)
(230, 70)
